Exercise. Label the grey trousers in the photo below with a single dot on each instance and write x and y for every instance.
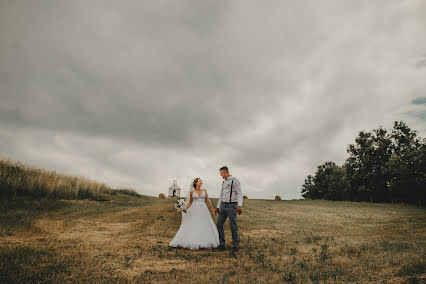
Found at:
(227, 210)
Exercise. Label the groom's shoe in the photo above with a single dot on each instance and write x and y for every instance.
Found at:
(221, 247)
(234, 252)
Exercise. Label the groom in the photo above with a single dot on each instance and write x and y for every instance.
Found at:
(230, 202)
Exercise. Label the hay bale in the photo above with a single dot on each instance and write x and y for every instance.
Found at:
(161, 195)
(245, 197)
(277, 197)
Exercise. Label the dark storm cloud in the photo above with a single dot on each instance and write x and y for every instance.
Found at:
(419, 101)
(135, 94)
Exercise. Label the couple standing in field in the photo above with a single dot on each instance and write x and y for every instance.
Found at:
(197, 229)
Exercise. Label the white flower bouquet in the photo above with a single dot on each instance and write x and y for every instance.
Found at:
(180, 204)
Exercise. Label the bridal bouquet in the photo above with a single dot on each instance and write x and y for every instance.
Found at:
(180, 204)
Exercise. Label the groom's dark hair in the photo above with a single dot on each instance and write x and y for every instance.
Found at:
(224, 168)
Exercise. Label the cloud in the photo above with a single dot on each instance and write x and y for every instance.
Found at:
(136, 94)
(419, 101)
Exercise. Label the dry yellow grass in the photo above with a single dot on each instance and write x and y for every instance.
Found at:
(281, 241)
(19, 179)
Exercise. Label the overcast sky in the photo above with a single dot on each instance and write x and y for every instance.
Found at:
(137, 93)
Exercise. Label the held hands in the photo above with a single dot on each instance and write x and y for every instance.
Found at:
(216, 211)
(184, 210)
(239, 210)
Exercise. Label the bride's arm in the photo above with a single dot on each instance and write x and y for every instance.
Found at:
(190, 201)
(208, 201)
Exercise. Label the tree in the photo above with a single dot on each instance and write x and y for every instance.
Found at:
(405, 165)
(308, 188)
(381, 166)
(328, 183)
(359, 164)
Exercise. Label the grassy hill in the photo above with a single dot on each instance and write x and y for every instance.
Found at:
(22, 180)
(126, 239)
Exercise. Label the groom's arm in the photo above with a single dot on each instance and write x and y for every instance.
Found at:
(239, 193)
(219, 201)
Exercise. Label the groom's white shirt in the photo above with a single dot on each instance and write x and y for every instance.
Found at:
(237, 196)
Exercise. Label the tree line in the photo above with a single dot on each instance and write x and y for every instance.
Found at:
(383, 166)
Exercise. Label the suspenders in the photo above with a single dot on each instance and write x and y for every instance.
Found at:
(230, 195)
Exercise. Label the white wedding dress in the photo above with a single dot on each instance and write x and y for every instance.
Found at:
(197, 229)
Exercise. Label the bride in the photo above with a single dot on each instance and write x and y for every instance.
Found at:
(197, 229)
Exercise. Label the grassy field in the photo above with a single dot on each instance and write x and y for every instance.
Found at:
(126, 240)
(22, 180)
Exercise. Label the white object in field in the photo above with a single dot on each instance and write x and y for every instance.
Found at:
(174, 190)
